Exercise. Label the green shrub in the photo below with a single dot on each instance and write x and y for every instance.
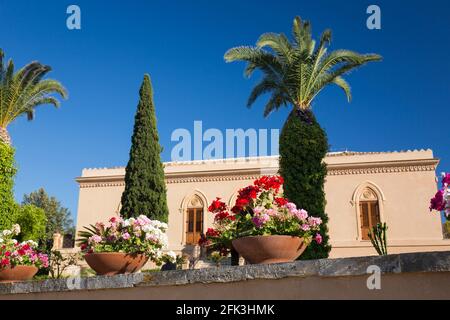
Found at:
(303, 146)
(32, 221)
(8, 206)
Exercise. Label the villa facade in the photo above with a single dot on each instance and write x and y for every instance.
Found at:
(362, 188)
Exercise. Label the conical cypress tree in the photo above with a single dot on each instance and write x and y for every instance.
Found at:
(303, 145)
(145, 189)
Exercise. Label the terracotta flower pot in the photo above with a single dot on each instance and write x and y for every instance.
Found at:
(269, 249)
(17, 273)
(111, 263)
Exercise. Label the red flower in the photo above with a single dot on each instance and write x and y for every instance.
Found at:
(83, 246)
(21, 252)
(222, 215)
(113, 219)
(242, 202)
(217, 205)
(236, 209)
(267, 183)
(281, 201)
(26, 246)
(4, 262)
(7, 253)
(212, 232)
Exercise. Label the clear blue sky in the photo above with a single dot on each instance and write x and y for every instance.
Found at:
(401, 103)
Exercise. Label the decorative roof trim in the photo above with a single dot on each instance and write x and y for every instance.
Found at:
(265, 158)
(255, 173)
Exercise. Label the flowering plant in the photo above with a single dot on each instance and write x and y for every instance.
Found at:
(260, 209)
(134, 235)
(13, 253)
(441, 200)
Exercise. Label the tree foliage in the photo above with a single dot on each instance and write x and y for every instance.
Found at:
(145, 188)
(8, 206)
(32, 221)
(295, 72)
(58, 218)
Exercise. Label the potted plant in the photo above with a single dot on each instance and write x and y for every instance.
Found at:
(263, 226)
(124, 245)
(19, 261)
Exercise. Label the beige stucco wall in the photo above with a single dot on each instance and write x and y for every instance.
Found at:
(403, 181)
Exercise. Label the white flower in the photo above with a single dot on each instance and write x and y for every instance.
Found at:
(16, 229)
(171, 256)
(126, 223)
(7, 232)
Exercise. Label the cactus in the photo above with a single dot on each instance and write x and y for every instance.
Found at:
(378, 238)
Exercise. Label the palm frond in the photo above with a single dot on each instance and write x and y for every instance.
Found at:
(22, 91)
(295, 72)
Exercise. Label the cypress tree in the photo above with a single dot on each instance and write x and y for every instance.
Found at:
(145, 189)
(304, 145)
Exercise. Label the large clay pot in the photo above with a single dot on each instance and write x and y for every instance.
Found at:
(111, 263)
(269, 249)
(17, 273)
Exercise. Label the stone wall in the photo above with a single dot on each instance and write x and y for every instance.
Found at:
(403, 276)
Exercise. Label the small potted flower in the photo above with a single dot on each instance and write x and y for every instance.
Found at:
(19, 261)
(123, 245)
(263, 226)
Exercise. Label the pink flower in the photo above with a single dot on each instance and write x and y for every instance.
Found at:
(301, 214)
(271, 212)
(291, 206)
(126, 236)
(305, 227)
(258, 210)
(314, 222)
(318, 238)
(43, 258)
(96, 238)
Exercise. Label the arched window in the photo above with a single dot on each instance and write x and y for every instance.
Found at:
(194, 220)
(369, 211)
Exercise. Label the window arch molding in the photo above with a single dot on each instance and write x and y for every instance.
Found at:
(190, 201)
(358, 194)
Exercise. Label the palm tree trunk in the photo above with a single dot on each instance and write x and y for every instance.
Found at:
(4, 136)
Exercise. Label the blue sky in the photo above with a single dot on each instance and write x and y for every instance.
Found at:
(400, 103)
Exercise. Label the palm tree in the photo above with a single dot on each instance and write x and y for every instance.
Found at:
(293, 74)
(23, 91)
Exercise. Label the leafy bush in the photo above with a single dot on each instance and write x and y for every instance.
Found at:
(8, 206)
(32, 221)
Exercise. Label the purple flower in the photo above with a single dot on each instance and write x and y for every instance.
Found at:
(126, 236)
(445, 179)
(438, 203)
(260, 220)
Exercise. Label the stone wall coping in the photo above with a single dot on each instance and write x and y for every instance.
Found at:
(422, 262)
